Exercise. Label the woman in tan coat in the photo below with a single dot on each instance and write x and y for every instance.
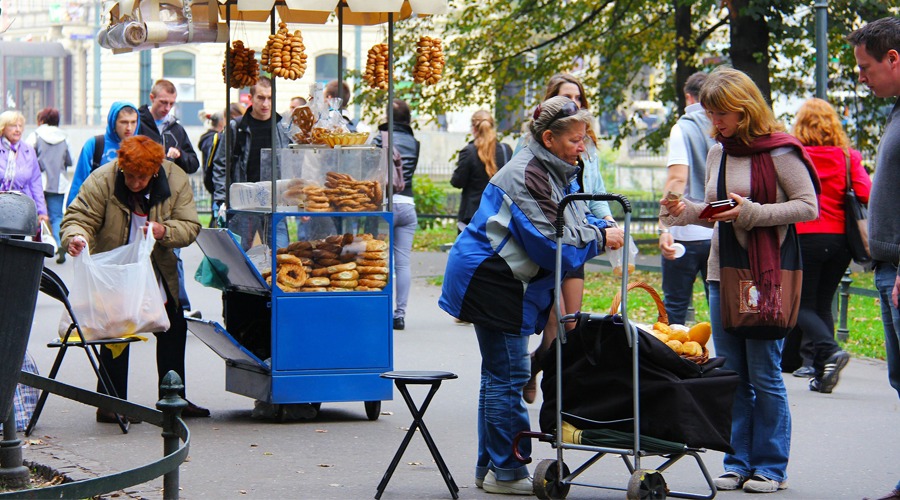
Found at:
(115, 207)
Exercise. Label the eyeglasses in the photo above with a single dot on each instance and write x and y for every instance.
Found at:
(568, 109)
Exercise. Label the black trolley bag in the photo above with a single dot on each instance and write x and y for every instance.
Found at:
(681, 401)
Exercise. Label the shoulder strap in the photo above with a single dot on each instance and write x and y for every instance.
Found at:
(99, 145)
(849, 183)
(212, 150)
(721, 193)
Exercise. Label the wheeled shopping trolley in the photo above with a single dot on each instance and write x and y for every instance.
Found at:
(611, 389)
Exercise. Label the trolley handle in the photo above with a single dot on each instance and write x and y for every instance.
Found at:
(560, 213)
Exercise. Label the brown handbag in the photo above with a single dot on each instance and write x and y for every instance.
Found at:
(856, 223)
(738, 295)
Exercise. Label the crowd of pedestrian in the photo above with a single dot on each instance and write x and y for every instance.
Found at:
(727, 144)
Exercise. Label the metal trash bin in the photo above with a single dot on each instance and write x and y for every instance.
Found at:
(21, 264)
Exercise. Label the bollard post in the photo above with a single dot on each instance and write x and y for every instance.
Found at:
(12, 473)
(843, 332)
(171, 405)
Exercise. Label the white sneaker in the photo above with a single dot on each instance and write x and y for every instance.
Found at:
(522, 486)
(760, 484)
(729, 481)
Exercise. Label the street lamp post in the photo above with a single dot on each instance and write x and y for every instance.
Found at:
(821, 48)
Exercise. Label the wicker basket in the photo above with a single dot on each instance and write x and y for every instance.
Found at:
(662, 316)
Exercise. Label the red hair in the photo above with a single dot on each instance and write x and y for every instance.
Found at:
(140, 155)
(818, 124)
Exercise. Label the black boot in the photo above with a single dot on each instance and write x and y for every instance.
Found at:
(62, 256)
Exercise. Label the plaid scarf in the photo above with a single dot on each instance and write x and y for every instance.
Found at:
(763, 247)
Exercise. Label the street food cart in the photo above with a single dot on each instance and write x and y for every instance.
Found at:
(305, 262)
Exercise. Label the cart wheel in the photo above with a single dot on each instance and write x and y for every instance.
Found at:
(646, 484)
(317, 406)
(547, 483)
(280, 414)
(373, 409)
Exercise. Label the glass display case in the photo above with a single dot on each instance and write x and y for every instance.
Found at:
(308, 303)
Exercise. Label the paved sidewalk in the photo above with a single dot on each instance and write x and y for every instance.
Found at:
(845, 445)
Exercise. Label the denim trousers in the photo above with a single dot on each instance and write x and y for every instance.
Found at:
(885, 276)
(405, 223)
(505, 369)
(54, 211)
(678, 279)
(761, 417)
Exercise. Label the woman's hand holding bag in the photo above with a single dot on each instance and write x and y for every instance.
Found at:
(117, 293)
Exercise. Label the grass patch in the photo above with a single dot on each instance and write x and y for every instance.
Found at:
(864, 313)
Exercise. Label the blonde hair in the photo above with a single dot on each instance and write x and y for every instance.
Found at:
(10, 117)
(485, 140)
(729, 90)
(818, 124)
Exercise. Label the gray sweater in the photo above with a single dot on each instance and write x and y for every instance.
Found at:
(795, 199)
(884, 204)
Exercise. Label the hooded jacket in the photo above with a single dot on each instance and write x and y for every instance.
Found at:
(170, 134)
(100, 215)
(52, 149)
(500, 272)
(111, 142)
(28, 173)
(240, 153)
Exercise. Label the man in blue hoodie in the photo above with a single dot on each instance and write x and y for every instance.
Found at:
(121, 122)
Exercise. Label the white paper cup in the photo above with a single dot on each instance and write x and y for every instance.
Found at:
(679, 250)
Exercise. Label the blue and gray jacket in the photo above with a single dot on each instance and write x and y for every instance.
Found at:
(500, 269)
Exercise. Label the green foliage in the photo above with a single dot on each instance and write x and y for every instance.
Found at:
(429, 200)
(612, 46)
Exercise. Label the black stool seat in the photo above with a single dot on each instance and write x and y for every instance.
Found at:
(401, 380)
(419, 377)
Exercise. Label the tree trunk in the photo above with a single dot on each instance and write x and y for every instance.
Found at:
(750, 45)
(685, 48)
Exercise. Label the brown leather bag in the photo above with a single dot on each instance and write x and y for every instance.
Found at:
(856, 223)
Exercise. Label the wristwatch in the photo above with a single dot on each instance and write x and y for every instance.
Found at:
(663, 230)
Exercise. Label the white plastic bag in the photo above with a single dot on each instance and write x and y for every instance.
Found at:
(616, 257)
(115, 293)
(47, 236)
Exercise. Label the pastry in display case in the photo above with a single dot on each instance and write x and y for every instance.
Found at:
(315, 180)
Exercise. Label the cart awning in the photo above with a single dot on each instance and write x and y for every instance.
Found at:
(147, 24)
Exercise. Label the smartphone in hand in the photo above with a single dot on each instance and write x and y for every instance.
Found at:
(718, 207)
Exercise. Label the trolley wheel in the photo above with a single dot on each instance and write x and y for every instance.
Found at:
(547, 483)
(317, 406)
(373, 409)
(647, 484)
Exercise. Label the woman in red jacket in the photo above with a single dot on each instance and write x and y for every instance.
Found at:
(823, 243)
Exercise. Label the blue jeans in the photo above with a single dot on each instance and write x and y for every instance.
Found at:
(761, 417)
(182, 292)
(885, 276)
(678, 279)
(405, 223)
(54, 211)
(505, 369)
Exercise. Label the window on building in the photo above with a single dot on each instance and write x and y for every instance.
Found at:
(179, 68)
(327, 67)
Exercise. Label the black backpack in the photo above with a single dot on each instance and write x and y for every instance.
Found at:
(99, 143)
(207, 169)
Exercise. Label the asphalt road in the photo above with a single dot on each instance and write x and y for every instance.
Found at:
(845, 445)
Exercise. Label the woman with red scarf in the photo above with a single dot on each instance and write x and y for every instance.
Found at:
(770, 168)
